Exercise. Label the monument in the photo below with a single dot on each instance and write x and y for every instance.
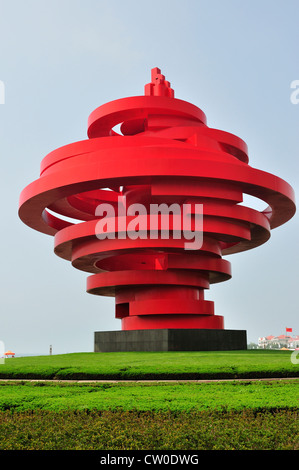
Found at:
(149, 205)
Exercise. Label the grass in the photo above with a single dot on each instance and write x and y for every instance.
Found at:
(131, 415)
(224, 415)
(132, 430)
(153, 365)
(177, 397)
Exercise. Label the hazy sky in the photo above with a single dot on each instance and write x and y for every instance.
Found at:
(59, 60)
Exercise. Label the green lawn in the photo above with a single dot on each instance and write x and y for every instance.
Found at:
(153, 365)
(220, 415)
(152, 396)
(126, 414)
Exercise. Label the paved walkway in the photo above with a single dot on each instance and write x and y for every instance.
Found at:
(152, 380)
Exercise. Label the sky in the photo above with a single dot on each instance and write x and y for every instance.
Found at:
(59, 60)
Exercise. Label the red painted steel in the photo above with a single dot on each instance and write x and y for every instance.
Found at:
(165, 153)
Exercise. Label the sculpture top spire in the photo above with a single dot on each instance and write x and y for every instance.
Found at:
(158, 86)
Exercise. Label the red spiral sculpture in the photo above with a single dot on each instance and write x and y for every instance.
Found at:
(165, 154)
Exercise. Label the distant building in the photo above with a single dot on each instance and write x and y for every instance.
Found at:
(278, 342)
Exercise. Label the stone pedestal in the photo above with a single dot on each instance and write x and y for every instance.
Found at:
(170, 340)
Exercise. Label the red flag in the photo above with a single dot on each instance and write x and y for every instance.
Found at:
(289, 330)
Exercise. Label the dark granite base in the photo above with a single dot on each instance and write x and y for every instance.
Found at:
(170, 340)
